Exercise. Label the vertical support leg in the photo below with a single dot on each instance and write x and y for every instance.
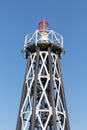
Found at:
(67, 127)
(19, 123)
(32, 126)
(54, 127)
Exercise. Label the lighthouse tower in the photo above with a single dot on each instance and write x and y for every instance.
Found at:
(43, 105)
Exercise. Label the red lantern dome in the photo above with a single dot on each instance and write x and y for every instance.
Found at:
(43, 25)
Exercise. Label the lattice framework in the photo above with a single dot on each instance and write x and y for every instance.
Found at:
(43, 112)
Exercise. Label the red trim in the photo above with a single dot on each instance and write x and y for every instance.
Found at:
(43, 31)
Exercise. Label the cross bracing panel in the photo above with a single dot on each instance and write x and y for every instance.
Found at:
(43, 107)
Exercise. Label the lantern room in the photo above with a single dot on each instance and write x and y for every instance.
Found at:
(43, 25)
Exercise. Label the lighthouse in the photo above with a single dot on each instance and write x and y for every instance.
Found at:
(43, 104)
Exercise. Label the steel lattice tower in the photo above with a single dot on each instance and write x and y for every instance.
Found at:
(43, 105)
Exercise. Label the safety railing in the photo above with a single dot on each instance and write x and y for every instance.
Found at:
(52, 37)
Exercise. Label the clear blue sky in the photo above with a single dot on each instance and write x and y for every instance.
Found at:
(19, 17)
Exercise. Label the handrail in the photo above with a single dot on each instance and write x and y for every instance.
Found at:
(35, 37)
